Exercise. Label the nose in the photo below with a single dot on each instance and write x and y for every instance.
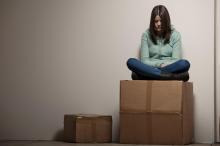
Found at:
(159, 23)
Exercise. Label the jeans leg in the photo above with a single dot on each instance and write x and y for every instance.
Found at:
(142, 69)
(177, 67)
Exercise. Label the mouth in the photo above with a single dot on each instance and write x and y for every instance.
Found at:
(158, 29)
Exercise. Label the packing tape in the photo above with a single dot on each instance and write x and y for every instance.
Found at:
(148, 95)
(94, 129)
(150, 129)
(148, 117)
(148, 109)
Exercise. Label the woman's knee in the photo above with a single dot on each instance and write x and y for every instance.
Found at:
(185, 63)
(131, 62)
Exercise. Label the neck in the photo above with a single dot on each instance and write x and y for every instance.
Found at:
(159, 34)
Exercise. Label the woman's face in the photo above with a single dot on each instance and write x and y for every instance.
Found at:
(157, 24)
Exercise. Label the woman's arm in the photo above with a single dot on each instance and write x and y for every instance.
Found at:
(145, 58)
(176, 44)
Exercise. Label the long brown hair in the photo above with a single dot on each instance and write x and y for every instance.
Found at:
(166, 24)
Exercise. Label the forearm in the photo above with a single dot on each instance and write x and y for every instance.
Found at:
(168, 61)
(152, 62)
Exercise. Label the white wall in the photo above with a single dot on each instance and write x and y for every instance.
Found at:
(63, 57)
(217, 71)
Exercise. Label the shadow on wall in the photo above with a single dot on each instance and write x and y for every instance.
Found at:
(59, 136)
(139, 52)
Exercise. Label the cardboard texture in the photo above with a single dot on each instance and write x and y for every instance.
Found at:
(87, 128)
(156, 112)
(165, 96)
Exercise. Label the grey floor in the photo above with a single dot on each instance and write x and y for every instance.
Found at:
(57, 143)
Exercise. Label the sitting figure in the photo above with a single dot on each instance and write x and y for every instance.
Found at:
(160, 51)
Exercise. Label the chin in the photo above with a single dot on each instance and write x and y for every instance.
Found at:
(159, 31)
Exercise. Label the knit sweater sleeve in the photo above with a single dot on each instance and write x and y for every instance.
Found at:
(176, 45)
(145, 57)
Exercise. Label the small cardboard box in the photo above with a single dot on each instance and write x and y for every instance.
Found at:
(87, 128)
(156, 112)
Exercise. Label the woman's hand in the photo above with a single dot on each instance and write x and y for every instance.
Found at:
(162, 65)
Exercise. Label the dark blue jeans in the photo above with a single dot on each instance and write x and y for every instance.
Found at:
(145, 70)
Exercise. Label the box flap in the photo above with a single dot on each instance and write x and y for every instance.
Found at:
(133, 95)
(151, 96)
(166, 96)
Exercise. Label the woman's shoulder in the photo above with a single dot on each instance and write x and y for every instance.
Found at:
(146, 34)
(175, 34)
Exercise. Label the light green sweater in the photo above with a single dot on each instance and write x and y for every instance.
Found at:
(161, 53)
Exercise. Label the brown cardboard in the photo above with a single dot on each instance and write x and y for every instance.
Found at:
(69, 128)
(87, 128)
(143, 95)
(167, 129)
(156, 112)
(188, 112)
(135, 128)
(151, 128)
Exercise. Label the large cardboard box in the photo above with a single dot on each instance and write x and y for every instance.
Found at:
(87, 128)
(156, 112)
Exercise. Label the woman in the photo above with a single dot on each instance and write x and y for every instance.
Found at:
(160, 51)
